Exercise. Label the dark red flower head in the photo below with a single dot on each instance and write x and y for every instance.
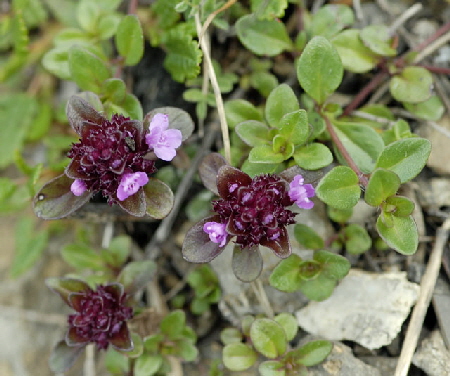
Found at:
(254, 210)
(107, 151)
(100, 317)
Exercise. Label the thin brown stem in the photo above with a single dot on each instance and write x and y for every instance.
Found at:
(132, 6)
(441, 31)
(340, 146)
(438, 70)
(366, 90)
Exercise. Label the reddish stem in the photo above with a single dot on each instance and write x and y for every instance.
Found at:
(441, 31)
(340, 146)
(438, 70)
(132, 6)
(366, 90)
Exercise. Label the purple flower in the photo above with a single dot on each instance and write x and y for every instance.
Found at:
(217, 232)
(300, 192)
(163, 141)
(130, 184)
(253, 211)
(78, 187)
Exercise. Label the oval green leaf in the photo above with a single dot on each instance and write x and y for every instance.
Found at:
(286, 277)
(313, 352)
(339, 188)
(313, 156)
(263, 37)
(130, 39)
(238, 356)
(402, 234)
(378, 39)
(382, 184)
(413, 85)
(253, 133)
(405, 157)
(281, 100)
(319, 69)
(268, 338)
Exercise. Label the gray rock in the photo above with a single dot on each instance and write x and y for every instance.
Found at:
(341, 362)
(385, 365)
(440, 142)
(432, 356)
(366, 308)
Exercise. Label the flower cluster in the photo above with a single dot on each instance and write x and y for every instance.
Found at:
(253, 211)
(114, 157)
(100, 315)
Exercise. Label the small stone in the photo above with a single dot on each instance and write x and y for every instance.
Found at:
(433, 357)
(365, 307)
(341, 362)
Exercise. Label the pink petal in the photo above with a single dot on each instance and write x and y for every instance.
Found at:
(159, 120)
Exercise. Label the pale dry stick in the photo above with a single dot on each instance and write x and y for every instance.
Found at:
(260, 293)
(378, 119)
(426, 291)
(407, 14)
(163, 231)
(217, 94)
(440, 129)
(89, 361)
(317, 5)
(358, 10)
(213, 15)
(438, 43)
(205, 89)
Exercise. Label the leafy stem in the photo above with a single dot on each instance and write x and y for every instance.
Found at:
(340, 146)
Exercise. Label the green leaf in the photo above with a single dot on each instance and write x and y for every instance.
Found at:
(268, 338)
(187, 350)
(253, 169)
(378, 39)
(107, 25)
(334, 266)
(81, 256)
(264, 82)
(307, 237)
(288, 323)
(172, 325)
(265, 154)
(399, 206)
(382, 184)
(355, 56)
(88, 14)
(183, 57)
(253, 133)
(339, 215)
(147, 365)
(115, 362)
(431, 109)
(357, 240)
(339, 188)
(362, 142)
(230, 335)
(319, 69)
(330, 19)
(401, 235)
(132, 107)
(17, 112)
(238, 357)
(319, 288)
(283, 146)
(158, 197)
(240, 110)
(272, 368)
(138, 347)
(313, 352)
(413, 85)
(405, 157)
(136, 275)
(118, 251)
(115, 90)
(294, 127)
(263, 37)
(130, 39)
(29, 246)
(281, 100)
(268, 9)
(286, 277)
(313, 156)
(87, 70)
(63, 356)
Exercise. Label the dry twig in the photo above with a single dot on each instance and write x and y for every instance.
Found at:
(426, 290)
